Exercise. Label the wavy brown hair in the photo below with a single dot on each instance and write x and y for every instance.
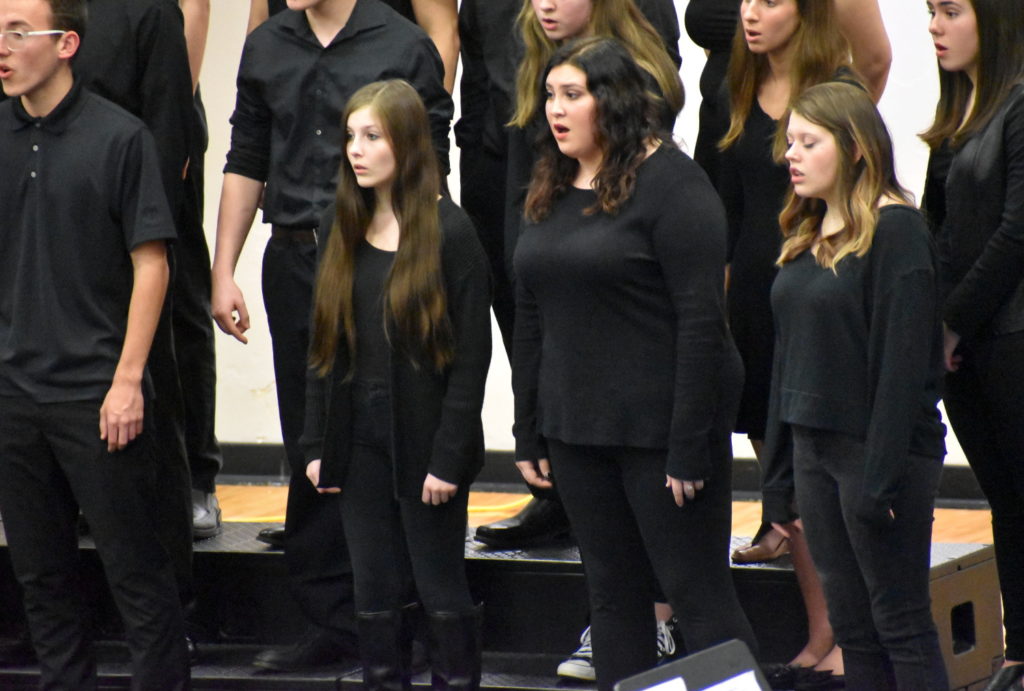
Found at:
(415, 316)
(819, 49)
(865, 175)
(619, 19)
(626, 121)
(1000, 68)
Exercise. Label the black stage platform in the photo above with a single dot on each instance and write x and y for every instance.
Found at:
(535, 608)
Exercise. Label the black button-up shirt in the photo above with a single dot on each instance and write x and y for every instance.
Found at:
(134, 54)
(286, 128)
(79, 189)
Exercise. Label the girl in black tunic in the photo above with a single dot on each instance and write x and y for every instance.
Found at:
(624, 372)
(853, 423)
(399, 351)
(978, 210)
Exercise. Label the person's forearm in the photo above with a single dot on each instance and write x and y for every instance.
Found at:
(862, 25)
(440, 19)
(259, 12)
(149, 286)
(197, 26)
(239, 199)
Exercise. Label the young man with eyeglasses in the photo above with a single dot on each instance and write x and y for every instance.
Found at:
(84, 223)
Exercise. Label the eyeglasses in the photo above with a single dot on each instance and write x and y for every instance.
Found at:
(16, 39)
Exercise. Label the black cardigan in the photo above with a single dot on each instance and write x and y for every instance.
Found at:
(436, 416)
(981, 241)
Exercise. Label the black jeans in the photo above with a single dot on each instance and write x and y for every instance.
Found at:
(630, 531)
(875, 579)
(315, 549)
(398, 542)
(53, 463)
(984, 400)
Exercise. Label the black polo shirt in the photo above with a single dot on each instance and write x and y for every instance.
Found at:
(134, 54)
(79, 189)
(286, 128)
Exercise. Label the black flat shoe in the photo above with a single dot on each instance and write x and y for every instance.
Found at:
(272, 536)
(1006, 678)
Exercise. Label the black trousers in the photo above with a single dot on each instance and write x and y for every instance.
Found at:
(193, 323)
(628, 527)
(53, 463)
(483, 197)
(315, 548)
(984, 399)
(398, 542)
(875, 579)
(173, 505)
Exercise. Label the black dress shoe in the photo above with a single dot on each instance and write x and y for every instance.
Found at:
(1006, 678)
(272, 536)
(206, 521)
(317, 649)
(541, 521)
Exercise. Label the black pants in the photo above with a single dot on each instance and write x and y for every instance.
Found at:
(984, 400)
(315, 549)
(53, 463)
(193, 324)
(483, 197)
(398, 542)
(629, 527)
(165, 418)
(875, 579)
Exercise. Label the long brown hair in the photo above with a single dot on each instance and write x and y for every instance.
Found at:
(626, 121)
(619, 19)
(1000, 67)
(866, 174)
(415, 317)
(819, 49)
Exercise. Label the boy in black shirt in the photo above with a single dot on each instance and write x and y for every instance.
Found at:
(83, 273)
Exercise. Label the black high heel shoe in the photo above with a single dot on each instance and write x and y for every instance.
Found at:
(1006, 678)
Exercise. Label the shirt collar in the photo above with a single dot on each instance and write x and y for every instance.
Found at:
(367, 14)
(57, 120)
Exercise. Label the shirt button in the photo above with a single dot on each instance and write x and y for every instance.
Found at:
(319, 132)
(35, 147)
(33, 173)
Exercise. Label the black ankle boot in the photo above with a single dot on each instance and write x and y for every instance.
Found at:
(455, 649)
(385, 645)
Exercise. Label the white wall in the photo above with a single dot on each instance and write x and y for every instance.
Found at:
(246, 405)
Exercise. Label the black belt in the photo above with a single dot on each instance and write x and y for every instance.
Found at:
(299, 236)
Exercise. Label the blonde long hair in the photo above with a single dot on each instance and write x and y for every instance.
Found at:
(618, 19)
(819, 49)
(866, 174)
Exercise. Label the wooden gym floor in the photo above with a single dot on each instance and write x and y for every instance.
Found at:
(260, 503)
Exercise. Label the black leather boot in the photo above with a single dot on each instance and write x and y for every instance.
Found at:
(385, 644)
(455, 649)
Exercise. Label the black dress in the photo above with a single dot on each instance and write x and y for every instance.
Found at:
(753, 188)
(711, 24)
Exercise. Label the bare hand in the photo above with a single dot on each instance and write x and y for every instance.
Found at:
(536, 473)
(436, 491)
(313, 473)
(121, 415)
(683, 490)
(226, 299)
(788, 529)
(950, 340)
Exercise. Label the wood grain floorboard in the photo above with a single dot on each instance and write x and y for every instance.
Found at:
(259, 503)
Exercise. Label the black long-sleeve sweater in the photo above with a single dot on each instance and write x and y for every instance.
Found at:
(858, 351)
(620, 334)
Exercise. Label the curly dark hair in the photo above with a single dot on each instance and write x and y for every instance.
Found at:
(628, 117)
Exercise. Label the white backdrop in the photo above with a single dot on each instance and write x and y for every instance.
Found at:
(246, 401)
